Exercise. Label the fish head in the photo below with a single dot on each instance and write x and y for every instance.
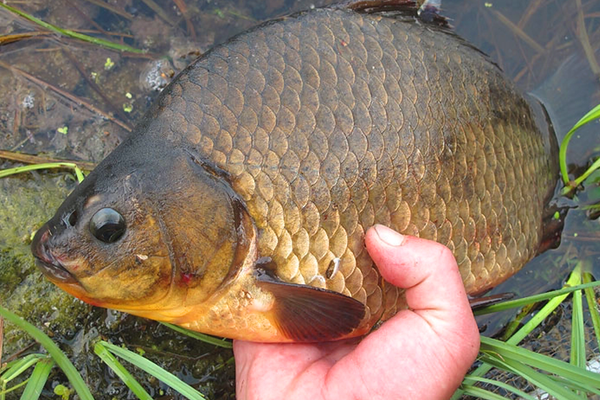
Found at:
(150, 238)
(103, 245)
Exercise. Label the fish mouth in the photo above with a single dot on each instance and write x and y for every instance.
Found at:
(46, 261)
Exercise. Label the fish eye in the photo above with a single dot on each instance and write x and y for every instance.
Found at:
(107, 225)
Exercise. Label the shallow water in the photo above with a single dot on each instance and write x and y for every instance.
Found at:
(56, 91)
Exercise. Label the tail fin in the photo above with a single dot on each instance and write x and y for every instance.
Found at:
(561, 101)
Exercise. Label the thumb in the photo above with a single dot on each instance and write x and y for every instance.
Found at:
(425, 269)
(434, 342)
(429, 274)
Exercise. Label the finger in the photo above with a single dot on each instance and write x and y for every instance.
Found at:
(420, 266)
(428, 348)
(433, 288)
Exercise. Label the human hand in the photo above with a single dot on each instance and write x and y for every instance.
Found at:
(420, 353)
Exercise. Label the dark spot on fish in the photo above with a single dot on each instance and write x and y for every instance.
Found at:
(333, 268)
(140, 258)
(265, 268)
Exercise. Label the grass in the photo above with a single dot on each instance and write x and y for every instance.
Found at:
(558, 378)
(72, 34)
(593, 115)
(27, 168)
(146, 365)
(200, 336)
(43, 363)
(57, 355)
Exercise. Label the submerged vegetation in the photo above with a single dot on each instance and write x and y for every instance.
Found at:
(591, 116)
(27, 373)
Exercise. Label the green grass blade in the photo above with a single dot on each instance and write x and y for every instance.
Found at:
(481, 393)
(121, 372)
(548, 309)
(548, 364)
(530, 325)
(590, 297)
(502, 385)
(540, 380)
(506, 305)
(168, 378)
(588, 172)
(59, 357)
(514, 325)
(38, 379)
(72, 34)
(577, 385)
(26, 168)
(562, 154)
(200, 336)
(20, 365)
(592, 115)
(578, 357)
(13, 388)
(79, 174)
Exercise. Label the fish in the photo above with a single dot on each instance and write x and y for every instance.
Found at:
(238, 205)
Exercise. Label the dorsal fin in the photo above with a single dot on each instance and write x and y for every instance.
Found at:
(400, 8)
(377, 6)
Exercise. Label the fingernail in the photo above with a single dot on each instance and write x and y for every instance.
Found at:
(388, 236)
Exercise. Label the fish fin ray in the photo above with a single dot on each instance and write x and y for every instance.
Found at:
(308, 314)
(485, 301)
(428, 14)
(377, 6)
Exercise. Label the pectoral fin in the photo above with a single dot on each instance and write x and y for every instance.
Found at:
(308, 314)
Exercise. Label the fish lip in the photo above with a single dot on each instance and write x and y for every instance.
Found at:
(45, 260)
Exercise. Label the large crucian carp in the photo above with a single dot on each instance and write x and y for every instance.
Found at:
(239, 204)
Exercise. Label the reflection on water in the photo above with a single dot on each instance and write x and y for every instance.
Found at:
(71, 99)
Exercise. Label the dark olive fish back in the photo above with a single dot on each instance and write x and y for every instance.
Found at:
(331, 121)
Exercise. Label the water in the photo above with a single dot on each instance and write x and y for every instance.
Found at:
(54, 90)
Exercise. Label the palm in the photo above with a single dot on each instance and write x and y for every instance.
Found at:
(424, 350)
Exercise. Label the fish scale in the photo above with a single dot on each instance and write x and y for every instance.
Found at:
(423, 163)
(324, 124)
